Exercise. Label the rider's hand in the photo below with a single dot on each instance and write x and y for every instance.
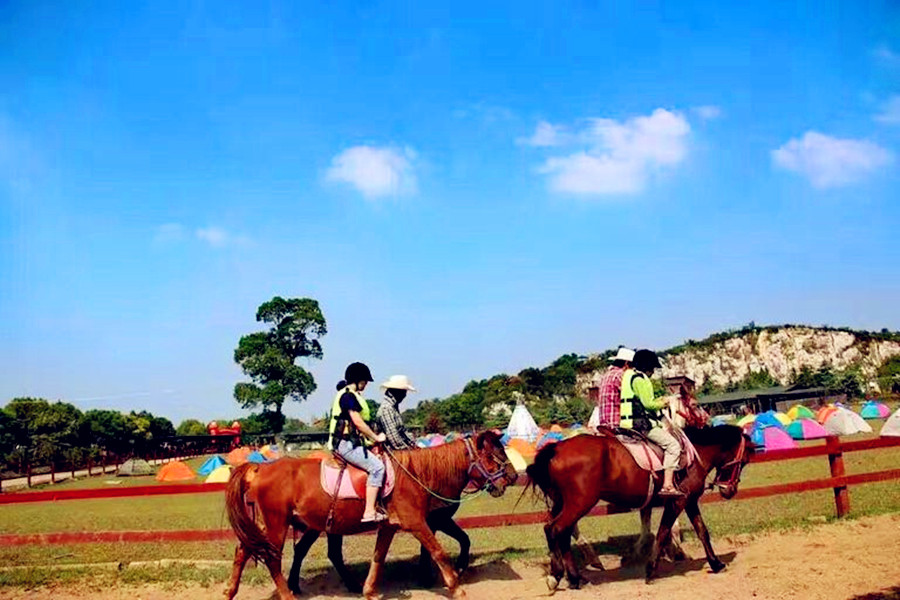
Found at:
(380, 438)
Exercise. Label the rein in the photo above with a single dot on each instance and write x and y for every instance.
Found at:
(474, 463)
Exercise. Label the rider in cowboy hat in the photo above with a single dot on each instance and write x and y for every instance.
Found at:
(349, 432)
(610, 386)
(395, 390)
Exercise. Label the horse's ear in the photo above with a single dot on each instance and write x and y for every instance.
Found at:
(484, 438)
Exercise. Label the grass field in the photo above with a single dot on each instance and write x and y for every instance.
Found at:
(206, 511)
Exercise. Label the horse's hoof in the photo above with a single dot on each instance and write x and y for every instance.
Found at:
(717, 566)
(552, 583)
(597, 564)
(353, 588)
(575, 583)
(459, 594)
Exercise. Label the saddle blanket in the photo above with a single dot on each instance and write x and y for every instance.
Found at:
(649, 456)
(353, 483)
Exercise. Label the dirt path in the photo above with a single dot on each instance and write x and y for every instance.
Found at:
(851, 560)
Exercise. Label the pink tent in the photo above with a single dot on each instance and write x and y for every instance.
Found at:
(806, 429)
(777, 439)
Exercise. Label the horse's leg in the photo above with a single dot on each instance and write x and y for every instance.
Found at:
(587, 549)
(301, 548)
(426, 566)
(385, 536)
(427, 538)
(240, 559)
(450, 527)
(336, 556)
(671, 511)
(562, 528)
(644, 543)
(674, 550)
(693, 512)
(276, 531)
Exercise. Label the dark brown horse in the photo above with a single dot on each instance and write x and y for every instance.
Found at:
(575, 474)
(440, 520)
(287, 493)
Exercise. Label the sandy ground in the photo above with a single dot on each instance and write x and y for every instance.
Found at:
(851, 560)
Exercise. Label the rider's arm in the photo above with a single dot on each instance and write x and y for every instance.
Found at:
(363, 427)
(643, 389)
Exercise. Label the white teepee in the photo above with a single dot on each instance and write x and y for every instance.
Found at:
(892, 425)
(846, 422)
(522, 425)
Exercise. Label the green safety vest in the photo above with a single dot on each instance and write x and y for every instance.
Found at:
(632, 413)
(348, 429)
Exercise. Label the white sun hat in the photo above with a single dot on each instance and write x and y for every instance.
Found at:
(398, 382)
(626, 354)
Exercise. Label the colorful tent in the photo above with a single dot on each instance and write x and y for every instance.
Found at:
(806, 429)
(573, 431)
(517, 460)
(522, 425)
(271, 452)
(891, 427)
(798, 411)
(844, 421)
(318, 455)
(768, 419)
(875, 410)
(551, 437)
(220, 475)
(175, 471)
(211, 464)
(721, 420)
(771, 438)
(556, 428)
(525, 448)
(824, 413)
(238, 456)
(256, 457)
(783, 418)
(746, 420)
(436, 440)
(134, 467)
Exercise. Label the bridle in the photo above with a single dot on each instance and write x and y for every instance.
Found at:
(736, 464)
(490, 477)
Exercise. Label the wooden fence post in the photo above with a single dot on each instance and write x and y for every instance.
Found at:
(836, 462)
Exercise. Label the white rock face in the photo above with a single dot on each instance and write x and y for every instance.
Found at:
(782, 353)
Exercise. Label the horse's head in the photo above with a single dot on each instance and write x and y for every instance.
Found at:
(490, 467)
(732, 463)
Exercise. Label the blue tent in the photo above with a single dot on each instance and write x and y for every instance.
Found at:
(767, 419)
(212, 463)
(721, 420)
(551, 437)
(256, 457)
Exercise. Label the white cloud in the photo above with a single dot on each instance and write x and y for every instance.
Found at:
(169, 233)
(375, 171)
(707, 112)
(890, 111)
(218, 237)
(831, 162)
(620, 156)
(546, 135)
(884, 53)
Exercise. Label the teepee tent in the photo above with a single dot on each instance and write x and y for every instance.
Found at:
(806, 429)
(175, 471)
(846, 422)
(891, 427)
(220, 475)
(522, 425)
(875, 410)
(798, 411)
(134, 467)
(211, 464)
(594, 420)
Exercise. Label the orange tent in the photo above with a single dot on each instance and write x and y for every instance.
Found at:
(523, 447)
(238, 456)
(175, 471)
(824, 413)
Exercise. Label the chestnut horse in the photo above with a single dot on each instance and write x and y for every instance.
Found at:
(287, 492)
(575, 474)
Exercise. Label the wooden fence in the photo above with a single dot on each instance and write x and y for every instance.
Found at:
(833, 448)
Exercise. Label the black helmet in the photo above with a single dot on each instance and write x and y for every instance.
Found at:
(357, 372)
(646, 361)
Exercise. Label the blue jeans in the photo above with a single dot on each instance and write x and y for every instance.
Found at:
(356, 456)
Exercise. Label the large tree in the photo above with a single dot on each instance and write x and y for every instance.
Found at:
(268, 357)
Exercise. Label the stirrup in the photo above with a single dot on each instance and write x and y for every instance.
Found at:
(376, 517)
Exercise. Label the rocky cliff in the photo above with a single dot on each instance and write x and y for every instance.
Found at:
(783, 351)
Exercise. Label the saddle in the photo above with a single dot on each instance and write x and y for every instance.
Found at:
(353, 482)
(649, 456)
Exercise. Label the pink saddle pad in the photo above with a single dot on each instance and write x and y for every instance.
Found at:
(649, 456)
(329, 479)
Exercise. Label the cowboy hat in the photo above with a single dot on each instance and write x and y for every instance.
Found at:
(398, 382)
(625, 354)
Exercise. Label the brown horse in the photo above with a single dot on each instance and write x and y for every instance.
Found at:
(287, 492)
(575, 474)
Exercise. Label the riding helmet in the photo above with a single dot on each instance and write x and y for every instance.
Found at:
(646, 361)
(357, 372)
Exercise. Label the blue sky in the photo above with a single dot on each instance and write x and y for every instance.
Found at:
(466, 190)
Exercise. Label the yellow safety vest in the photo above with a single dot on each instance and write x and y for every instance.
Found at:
(336, 415)
(630, 407)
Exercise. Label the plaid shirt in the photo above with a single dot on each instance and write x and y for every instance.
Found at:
(392, 426)
(610, 396)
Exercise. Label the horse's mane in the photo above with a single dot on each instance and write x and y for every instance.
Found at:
(725, 436)
(444, 466)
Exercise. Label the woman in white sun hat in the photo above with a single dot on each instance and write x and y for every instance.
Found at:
(395, 390)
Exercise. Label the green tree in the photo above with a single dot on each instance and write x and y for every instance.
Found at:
(889, 376)
(191, 427)
(268, 357)
(105, 429)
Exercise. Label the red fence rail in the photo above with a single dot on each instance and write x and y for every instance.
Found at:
(839, 482)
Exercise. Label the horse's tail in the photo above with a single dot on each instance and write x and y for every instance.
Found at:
(539, 479)
(248, 532)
